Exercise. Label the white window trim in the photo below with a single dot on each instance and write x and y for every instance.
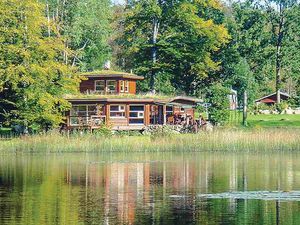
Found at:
(126, 86)
(138, 116)
(119, 110)
(86, 112)
(95, 85)
(122, 86)
(107, 89)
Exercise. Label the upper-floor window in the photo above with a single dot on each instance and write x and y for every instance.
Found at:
(111, 86)
(100, 86)
(124, 86)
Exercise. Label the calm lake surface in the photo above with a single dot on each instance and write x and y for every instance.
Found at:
(156, 188)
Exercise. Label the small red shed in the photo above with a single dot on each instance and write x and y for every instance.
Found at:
(272, 98)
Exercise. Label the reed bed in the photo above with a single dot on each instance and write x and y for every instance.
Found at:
(220, 140)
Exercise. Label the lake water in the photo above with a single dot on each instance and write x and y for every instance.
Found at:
(140, 188)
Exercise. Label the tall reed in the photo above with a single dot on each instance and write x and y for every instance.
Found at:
(221, 140)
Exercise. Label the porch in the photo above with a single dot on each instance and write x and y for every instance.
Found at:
(129, 115)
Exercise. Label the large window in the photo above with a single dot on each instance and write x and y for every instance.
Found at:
(84, 110)
(117, 111)
(80, 114)
(136, 114)
(111, 86)
(100, 86)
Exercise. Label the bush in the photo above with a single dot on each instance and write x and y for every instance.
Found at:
(104, 131)
(127, 133)
(282, 106)
(162, 131)
(219, 110)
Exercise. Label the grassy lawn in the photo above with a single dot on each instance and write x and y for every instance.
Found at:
(273, 120)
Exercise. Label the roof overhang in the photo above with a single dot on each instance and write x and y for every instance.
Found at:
(177, 101)
(118, 75)
(110, 100)
(267, 96)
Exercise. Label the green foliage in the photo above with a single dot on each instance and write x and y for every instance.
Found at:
(86, 27)
(282, 106)
(33, 78)
(200, 109)
(219, 109)
(161, 132)
(264, 106)
(103, 131)
(185, 62)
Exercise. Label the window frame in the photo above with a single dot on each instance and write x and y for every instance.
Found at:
(104, 85)
(122, 86)
(126, 86)
(87, 113)
(120, 110)
(140, 115)
(107, 86)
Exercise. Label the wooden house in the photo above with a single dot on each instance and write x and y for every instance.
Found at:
(272, 98)
(110, 98)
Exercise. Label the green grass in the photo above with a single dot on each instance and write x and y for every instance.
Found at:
(274, 120)
(266, 121)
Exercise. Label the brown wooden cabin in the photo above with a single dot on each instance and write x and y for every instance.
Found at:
(272, 98)
(110, 98)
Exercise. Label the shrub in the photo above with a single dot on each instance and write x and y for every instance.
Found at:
(282, 106)
(219, 110)
(104, 131)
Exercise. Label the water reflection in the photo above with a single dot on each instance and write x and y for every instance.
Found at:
(140, 188)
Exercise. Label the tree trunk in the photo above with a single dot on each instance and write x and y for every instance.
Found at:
(48, 18)
(154, 53)
(245, 103)
(278, 53)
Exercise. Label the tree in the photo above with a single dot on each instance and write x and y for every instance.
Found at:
(174, 39)
(33, 75)
(85, 26)
(244, 80)
(282, 21)
(219, 109)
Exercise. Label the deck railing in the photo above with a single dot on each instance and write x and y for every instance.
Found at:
(86, 121)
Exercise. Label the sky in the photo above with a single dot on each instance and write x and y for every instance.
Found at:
(118, 1)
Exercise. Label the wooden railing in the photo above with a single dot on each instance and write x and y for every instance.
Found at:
(86, 121)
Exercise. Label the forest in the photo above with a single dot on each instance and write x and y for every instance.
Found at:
(200, 48)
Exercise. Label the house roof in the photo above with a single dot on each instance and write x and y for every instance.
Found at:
(111, 74)
(270, 95)
(159, 99)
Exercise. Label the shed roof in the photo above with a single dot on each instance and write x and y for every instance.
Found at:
(112, 74)
(286, 95)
